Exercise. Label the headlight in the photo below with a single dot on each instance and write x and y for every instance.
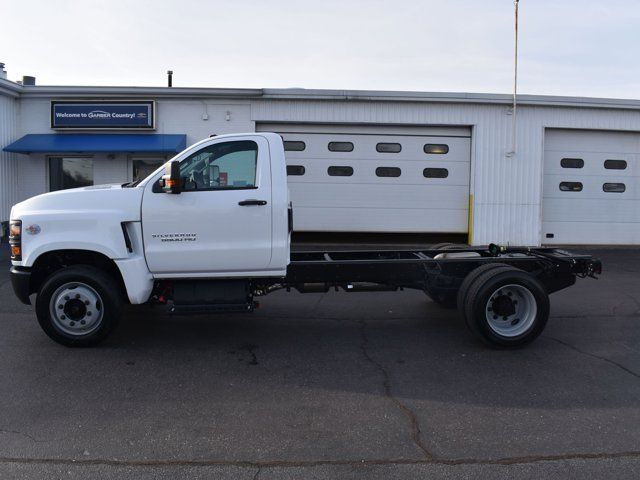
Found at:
(15, 239)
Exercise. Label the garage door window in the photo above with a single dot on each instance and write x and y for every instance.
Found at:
(388, 172)
(294, 146)
(436, 148)
(615, 164)
(614, 187)
(572, 163)
(340, 171)
(571, 186)
(70, 172)
(340, 147)
(388, 148)
(295, 170)
(435, 173)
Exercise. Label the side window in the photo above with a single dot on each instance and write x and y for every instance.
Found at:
(221, 166)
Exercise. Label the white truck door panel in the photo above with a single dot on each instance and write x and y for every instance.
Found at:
(222, 220)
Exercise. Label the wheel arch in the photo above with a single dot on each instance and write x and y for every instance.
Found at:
(50, 262)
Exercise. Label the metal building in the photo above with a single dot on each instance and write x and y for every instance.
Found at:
(359, 161)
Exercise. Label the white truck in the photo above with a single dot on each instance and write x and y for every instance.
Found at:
(211, 230)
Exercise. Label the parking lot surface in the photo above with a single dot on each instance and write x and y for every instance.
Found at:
(335, 385)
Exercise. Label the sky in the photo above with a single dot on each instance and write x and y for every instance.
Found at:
(566, 47)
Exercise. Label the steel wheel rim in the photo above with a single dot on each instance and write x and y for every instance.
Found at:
(511, 310)
(76, 309)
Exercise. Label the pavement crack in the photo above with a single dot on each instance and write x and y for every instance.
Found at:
(251, 349)
(416, 435)
(593, 355)
(263, 464)
(16, 432)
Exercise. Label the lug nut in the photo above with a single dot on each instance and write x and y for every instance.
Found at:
(66, 297)
(62, 317)
(89, 313)
(86, 302)
(72, 323)
(82, 322)
(60, 306)
(77, 295)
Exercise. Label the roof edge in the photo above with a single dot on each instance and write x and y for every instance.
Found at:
(60, 91)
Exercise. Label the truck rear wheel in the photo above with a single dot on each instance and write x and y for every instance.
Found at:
(79, 306)
(506, 307)
(470, 278)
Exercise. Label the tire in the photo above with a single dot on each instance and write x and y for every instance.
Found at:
(506, 308)
(79, 306)
(470, 278)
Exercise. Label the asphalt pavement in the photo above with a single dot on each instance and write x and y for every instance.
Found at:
(335, 385)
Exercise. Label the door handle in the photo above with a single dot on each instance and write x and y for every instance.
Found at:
(245, 203)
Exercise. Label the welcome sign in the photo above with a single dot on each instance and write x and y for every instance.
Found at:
(103, 115)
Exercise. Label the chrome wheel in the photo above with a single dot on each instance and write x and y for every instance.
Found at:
(76, 309)
(511, 310)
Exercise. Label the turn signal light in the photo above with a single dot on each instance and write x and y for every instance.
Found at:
(15, 251)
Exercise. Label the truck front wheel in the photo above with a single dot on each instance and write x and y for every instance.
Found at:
(79, 306)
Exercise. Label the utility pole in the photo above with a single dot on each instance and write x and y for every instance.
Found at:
(512, 152)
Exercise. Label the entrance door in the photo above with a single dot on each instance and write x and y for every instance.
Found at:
(221, 222)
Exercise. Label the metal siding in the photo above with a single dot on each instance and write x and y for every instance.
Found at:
(8, 161)
(507, 191)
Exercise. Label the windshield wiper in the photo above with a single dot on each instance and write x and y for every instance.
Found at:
(131, 184)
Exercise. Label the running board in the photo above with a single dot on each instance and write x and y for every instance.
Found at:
(211, 308)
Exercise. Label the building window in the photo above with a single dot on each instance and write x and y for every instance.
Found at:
(388, 147)
(294, 146)
(614, 187)
(295, 170)
(340, 171)
(340, 147)
(436, 148)
(143, 167)
(572, 163)
(571, 186)
(615, 164)
(435, 173)
(388, 172)
(70, 172)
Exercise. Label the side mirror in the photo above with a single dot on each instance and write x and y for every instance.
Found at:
(171, 181)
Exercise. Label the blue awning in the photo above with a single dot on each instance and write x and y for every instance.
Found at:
(98, 142)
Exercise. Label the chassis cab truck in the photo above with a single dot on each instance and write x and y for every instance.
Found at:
(211, 230)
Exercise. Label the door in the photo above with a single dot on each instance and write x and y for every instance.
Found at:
(591, 187)
(221, 222)
(357, 178)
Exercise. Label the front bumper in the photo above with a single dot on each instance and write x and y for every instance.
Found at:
(20, 281)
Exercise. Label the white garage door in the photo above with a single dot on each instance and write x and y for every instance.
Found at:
(377, 179)
(591, 193)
